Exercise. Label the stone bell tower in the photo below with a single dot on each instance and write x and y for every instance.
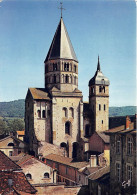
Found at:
(61, 64)
(99, 99)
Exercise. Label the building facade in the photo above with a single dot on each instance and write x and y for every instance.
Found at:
(123, 158)
(54, 114)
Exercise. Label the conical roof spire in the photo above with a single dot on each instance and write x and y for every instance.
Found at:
(61, 47)
(98, 65)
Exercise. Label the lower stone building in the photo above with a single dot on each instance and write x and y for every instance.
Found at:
(123, 158)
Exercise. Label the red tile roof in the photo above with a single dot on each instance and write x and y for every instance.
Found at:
(7, 164)
(19, 183)
(66, 161)
(39, 93)
(21, 132)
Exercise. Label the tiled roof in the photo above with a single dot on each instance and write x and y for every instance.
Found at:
(13, 137)
(21, 132)
(120, 129)
(99, 173)
(105, 138)
(24, 158)
(66, 161)
(19, 183)
(39, 93)
(7, 164)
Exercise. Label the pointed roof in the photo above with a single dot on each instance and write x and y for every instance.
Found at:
(99, 78)
(61, 46)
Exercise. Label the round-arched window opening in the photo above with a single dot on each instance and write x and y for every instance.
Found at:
(28, 176)
(46, 175)
(10, 144)
(67, 128)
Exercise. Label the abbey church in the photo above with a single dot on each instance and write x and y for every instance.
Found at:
(57, 114)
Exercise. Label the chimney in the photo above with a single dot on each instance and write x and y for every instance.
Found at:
(93, 161)
(128, 121)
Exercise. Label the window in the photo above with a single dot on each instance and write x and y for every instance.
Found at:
(118, 169)
(67, 128)
(129, 173)
(43, 114)
(99, 106)
(66, 170)
(118, 140)
(74, 80)
(65, 112)
(100, 89)
(75, 68)
(46, 175)
(39, 113)
(54, 67)
(129, 145)
(87, 130)
(104, 89)
(54, 78)
(92, 90)
(102, 121)
(66, 66)
(10, 144)
(71, 112)
(10, 153)
(67, 79)
(104, 107)
(28, 176)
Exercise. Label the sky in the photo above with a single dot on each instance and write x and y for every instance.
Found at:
(104, 27)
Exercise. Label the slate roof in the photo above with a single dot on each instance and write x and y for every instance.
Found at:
(66, 161)
(99, 173)
(7, 164)
(61, 46)
(39, 93)
(99, 78)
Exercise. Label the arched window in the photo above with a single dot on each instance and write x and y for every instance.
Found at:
(65, 112)
(75, 68)
(87, 130)
(74, 80)
(28, 176)
(104, 107)
(46, 175)
(104, 89)
(54, 79)
(67, 79)
(10, 144)
(99, 106)
(66, 66)
(43, 114)
(39, 113)
(71, 112)
(67, 128)
(54, 67)
(100, 89)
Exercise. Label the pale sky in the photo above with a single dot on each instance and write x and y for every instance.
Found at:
(103, 27)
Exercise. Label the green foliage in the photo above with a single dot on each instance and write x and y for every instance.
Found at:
(11, 125)
(12, 109)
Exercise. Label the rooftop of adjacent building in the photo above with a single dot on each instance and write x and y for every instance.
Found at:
(66, 161)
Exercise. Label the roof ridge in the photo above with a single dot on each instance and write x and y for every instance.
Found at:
(98, 170)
